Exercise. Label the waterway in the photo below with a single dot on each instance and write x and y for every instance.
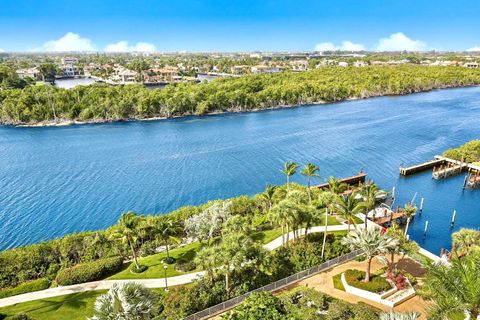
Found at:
(59, 180)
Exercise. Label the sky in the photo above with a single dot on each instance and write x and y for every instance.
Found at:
(233, 25)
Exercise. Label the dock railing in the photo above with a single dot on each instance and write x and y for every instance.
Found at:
(274, 286)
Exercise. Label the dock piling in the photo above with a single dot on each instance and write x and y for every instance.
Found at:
(425, 231)
(453, 218)
(421, 205)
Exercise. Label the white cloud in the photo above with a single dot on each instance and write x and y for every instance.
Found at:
(69, 42)
(400, 42)
(122, 46)
(1, 50)
(477, 48)
(345, 46)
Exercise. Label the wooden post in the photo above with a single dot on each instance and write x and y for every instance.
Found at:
(467, 177)
(393, 193)
(406, 227)
(425, 231)
(421, 205)
(453, 218)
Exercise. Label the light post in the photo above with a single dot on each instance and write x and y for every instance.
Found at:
(165, 267)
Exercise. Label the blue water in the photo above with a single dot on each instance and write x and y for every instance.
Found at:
(59, 180)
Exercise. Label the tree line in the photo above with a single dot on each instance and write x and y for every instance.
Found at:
(100, 102)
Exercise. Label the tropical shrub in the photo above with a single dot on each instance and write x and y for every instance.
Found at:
(377, 284)
(185, 266)
(30, 286)
(89, 271)
(259, 305)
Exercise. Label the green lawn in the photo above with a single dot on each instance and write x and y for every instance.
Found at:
(337, 282)
(73, 306)
(155, 267)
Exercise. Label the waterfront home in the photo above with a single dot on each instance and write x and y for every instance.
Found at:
(263, 69)
(166, 74)
(238, 70)
(124, 75)
(33, 73)
(343, 64)
(69, 71)
(299, 65)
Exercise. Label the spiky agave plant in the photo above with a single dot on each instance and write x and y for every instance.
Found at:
(127, 301)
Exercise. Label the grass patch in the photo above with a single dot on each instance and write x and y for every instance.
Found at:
(76, 306)
(267, 235)
(337, 282)
(155, 266)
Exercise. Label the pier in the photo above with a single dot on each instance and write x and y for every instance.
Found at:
(354, 180)
(443, 167)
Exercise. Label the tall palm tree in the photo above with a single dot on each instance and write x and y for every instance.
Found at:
(369, 194)
(371, 241)
(127, 233)
(167, 229)
(310, 170)
(206, 258)
(279, 216)
(347, 208)
(126, 301)
(289, 169)
(455, 288)
(399, 316)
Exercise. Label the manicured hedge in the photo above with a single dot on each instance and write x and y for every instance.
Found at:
(377, 284)
(89, 271)
(34, 285)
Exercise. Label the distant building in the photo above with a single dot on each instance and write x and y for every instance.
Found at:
(124, 75)
(343, 64)
(262, 69)
(69, 71)
(472, 65)
(33, 73)
(69, 61)
(237, 70)
(299, 65)
(378, 63)
(360, 64)
(166, 74)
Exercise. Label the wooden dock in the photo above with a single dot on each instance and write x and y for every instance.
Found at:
(354, 180)
(406, 171)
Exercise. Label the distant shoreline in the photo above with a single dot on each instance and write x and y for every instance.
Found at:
(64, 123)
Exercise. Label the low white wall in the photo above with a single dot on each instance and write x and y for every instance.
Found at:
(367, 294)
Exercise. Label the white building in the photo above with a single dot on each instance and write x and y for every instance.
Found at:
(69, 70)
(343, 64)
(69, 61)
(33, 73)
(360, 64)
(472, 65)
(262, 69)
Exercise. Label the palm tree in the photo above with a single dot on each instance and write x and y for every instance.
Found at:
(465, 240)
(409, 210)
(336, 186)
(399, 316)
(167, 229)
(290, 168)
(206, 258)
(347, 208)
(369, 193)
(127, 301)
(126, 232)
(371, 241)
(268, 196)
(310, 170)
(455, 288)
(279, 217)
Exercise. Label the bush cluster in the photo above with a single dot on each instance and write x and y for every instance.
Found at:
(34, 285)
(89, 271)
(377, 284)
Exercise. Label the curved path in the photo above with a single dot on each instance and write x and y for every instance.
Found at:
(149, 283)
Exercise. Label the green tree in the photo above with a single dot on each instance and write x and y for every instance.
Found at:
(289, 169)
(347, 208)
(268, 196)
(167, 230)
(454, 288)
(127, 233)
(48, 71)
(310, 170)
(371, 241)
(259, 305)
